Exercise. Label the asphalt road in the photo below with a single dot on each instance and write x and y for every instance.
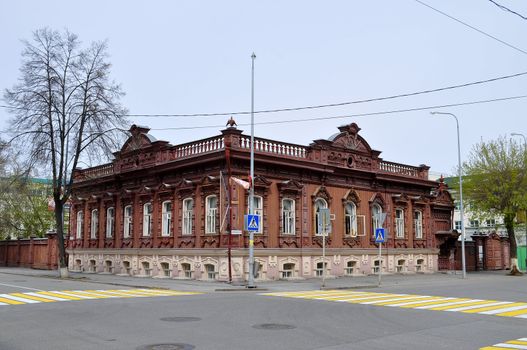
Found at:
(240, 319)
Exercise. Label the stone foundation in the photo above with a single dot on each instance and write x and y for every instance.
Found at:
(202, 264)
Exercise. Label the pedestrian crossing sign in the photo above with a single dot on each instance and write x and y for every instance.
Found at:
(252, 222)
(379, 235)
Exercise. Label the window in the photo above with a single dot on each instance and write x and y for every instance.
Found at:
(211, 271)
(399, 223)
(108, 266)
(400, 266)
(257, 210)
(376, 217)
(127, 267)
(211, 211)
(186, 270)
(94, 224)
(165, 267)
(319, 204)
(350, 267)
(457, 225)
(418, 224)
(319, 271)
(110, 222)
(287, 270)
(127, 222)
(146, 268)
(376, 266)
(474, 223)
(147, 219)
(490, 223)
(419, 265)
(166, 224)
(350, 217)
(79, 224)
(92, 267)
(188, 205)
(288, 216)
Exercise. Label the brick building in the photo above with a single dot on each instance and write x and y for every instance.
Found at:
(166, 210)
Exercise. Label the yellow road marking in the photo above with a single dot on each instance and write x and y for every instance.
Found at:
(63, 296)
(30, 297)
(9, 301)
(448, 307)
(494, 348)
(517, 342)
(513, 313)
(495, 307)
(439, 302)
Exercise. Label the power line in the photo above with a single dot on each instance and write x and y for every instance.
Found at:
(339, 104)
(508, 9)
(473, 28)
(351, 115)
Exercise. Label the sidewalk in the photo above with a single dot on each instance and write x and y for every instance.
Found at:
(476, 282)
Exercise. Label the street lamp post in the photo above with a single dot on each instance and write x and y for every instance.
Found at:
(525, 154)
(461, 209)
(251, 191)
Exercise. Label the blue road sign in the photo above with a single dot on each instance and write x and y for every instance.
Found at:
(252, 222)
(379, 235)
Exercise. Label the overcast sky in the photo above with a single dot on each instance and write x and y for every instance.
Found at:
(175, 57)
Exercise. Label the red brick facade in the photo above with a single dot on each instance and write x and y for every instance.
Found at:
(159, 182)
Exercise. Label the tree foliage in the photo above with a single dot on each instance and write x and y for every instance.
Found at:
(495, 181)
(65, 110)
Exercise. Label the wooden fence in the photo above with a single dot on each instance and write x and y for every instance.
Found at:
(35, 253)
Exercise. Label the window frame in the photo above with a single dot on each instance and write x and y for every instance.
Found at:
(211, 215)
(166, 218)
(418, 224)
(128, 215)
(375, 221)
(80, 224)
(147, 219)
(110, 222)
(187, 217)
(94, 223)
(350, 220)
(316, 216)
(288, 217)
(399, 223)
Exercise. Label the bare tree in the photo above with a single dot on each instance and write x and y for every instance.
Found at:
(65, 108)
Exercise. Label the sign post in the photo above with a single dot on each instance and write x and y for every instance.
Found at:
(380, 237)
(324, 227)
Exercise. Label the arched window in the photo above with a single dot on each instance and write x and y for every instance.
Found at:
(166, 224)
(80, 216)
(147, 219)
(350, 217)
(320, 203)
(127, 222)
(418, 224)
(188, 208)
(110, 222)
(288, 216)
(375, 216)
(94, 228)
(399, 223)
(211, 210)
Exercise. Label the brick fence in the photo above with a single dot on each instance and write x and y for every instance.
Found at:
(35, 253)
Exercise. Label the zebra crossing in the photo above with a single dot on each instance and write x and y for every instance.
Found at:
(511, 344)
(411, 301)
(78, 295)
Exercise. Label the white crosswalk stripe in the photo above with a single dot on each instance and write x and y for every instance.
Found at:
(12, 297)
(421, 302)
(46, 297)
